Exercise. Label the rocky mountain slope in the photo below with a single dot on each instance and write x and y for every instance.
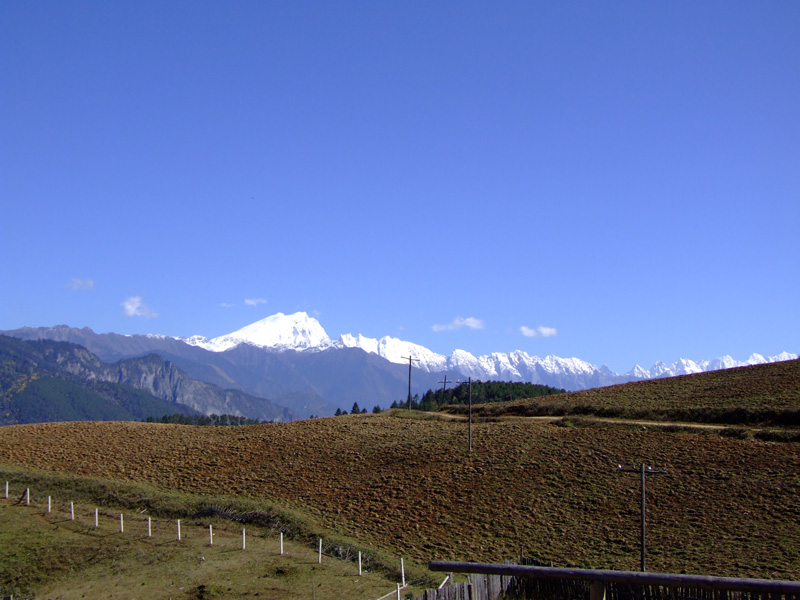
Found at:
(72, 373)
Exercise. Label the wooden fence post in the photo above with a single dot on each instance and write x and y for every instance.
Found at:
(597, 590)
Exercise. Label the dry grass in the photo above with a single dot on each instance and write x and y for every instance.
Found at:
(402, 485)
(408, 487)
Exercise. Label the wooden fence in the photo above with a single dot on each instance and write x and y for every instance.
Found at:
(137, 525)
(479, 587)
(548, 583)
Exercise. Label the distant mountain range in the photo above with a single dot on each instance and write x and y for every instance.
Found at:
(46, 380)
(300, 332)
(290, 360)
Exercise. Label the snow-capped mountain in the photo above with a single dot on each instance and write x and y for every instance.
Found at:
(278, 332)
(396, 351)
(300, 332)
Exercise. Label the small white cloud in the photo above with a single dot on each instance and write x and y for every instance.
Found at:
(254, 301)
(460, 322)
(227, 305)
(81, 283)
(540, 331)
(134, 307)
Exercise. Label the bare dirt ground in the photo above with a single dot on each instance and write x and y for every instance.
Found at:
(727, 506)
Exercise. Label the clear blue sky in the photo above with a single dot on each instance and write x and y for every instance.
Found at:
(624, 176)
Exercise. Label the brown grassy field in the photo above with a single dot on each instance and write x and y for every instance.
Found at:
(408, 486)
(403, 484)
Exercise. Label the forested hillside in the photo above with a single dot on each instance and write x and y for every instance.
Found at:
(35, 388)
(482, 392)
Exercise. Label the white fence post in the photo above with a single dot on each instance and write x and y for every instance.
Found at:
(281, 543)
(398, 591)
(6, 490)
(27, 496)
(320, 550)
(179, 530)
(95, 518)
(72, 511)
(121, 524)
(402, 572)
(244, 545)
(210, 536)
(149, 527)
(359, 563)
(48, 504)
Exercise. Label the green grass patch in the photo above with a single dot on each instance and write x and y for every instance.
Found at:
(49, 554)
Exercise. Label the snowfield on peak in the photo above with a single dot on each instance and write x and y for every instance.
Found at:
(300, 332)
(277, 332)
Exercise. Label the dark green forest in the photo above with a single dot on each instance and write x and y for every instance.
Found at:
(205, 420)
(482, 392)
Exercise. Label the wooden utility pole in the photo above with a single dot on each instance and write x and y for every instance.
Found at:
(644, 472)
(470, 414)
(444, 386)
(469, 380)
(409, 377)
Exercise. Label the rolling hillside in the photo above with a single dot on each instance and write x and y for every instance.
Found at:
(406, 485)
(757, 395)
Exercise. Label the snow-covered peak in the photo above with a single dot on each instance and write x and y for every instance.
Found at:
(756, 359)
(396, 351)
(555, 364)
(278, 332)
(369, 345)
(723, 362)
(660, 370)
(637, 372)
(300, 332)
(465, 363)
(685, 366)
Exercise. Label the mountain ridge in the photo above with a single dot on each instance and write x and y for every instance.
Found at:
(291, 360)
(301, 332)
(170, 389)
